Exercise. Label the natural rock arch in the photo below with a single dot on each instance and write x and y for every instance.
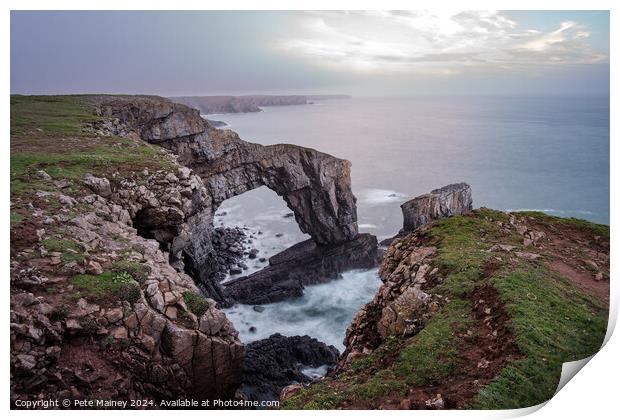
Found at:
(316, 186)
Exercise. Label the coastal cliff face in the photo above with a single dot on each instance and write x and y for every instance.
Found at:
(110, 234)
(112, 203)
(315, 185)
(475, 311)
(98, 308)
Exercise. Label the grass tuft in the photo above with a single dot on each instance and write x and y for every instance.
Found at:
(195, 302)
(108, 285)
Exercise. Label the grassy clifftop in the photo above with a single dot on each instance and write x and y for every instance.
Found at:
(513, 297)
(52, 134)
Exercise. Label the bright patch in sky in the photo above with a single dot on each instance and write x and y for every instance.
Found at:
(441, 43)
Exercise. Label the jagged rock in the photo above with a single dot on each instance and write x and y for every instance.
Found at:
(527, 255)
(276, 362)
(44, 175)
(114, 315)
(453, 199)
(301, 265)
(501, 247)
(184, 172)
(73, 325)
(400, 307)
(163, 223)
(119, 333)
(93, 267)
(99, 186)
(66, 200)
(290, 390)
(27, 361)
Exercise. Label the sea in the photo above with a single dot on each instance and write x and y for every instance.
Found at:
(544, 153)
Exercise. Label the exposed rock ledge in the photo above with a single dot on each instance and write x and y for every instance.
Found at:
(300, 265)
(315, 185)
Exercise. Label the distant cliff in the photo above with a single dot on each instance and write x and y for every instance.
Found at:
(250, 103)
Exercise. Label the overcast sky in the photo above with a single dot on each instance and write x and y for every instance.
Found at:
(358, 53)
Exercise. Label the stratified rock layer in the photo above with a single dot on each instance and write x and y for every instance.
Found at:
(447, 201)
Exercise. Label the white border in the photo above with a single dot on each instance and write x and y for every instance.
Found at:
(592, 394)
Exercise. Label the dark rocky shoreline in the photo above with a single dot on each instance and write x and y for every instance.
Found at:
(276, 362)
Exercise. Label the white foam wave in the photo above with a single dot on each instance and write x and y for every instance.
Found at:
(367, 226)
(315, 372)
(323, 312)
(380, 196)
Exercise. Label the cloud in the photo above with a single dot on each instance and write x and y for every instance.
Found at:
(441, 43)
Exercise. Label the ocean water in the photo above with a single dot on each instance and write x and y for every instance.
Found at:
(536, 153)
(323, 312)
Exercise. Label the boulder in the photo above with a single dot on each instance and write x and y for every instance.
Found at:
(99, 186)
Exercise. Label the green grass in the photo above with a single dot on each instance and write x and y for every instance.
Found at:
(389, 345)
(39, 123)
(427, 358)
(52, 115)
(108, 285)
(16, 218)
(322, 397)
(580, 224)
(71, 251)
(196, 303)
(552, 321)
(140, 272)
(73, 165)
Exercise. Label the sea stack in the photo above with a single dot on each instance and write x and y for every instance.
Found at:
(447, 201)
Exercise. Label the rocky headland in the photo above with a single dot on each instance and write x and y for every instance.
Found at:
(116, 273)
(248, 103)
(115, 262)
(451, 200)
(478, 310)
